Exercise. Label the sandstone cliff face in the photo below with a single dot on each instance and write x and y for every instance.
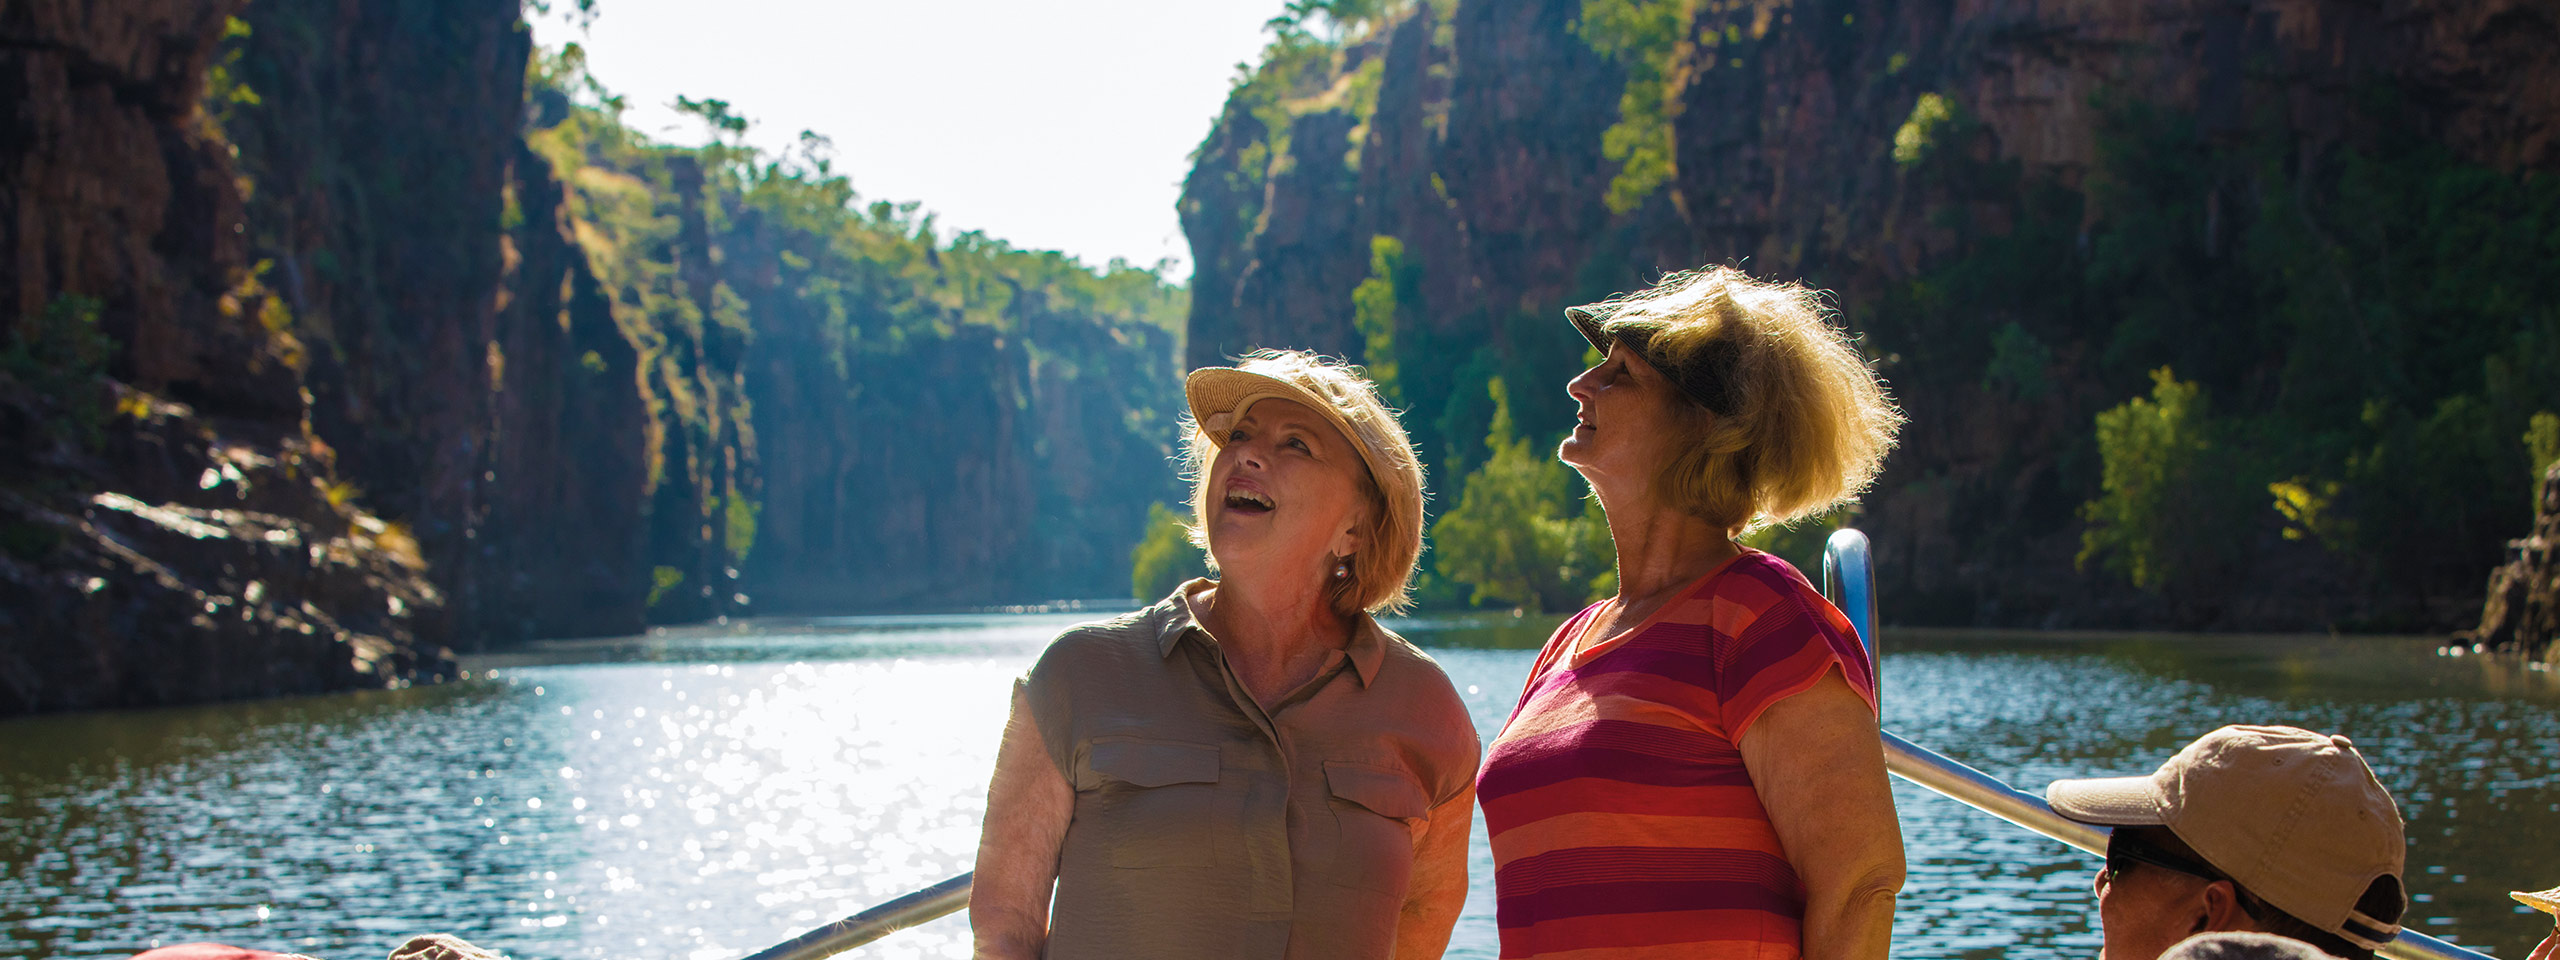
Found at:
(1484, 157)
(1785, 141)
(169, 526)
(326, 349)
(448, 314)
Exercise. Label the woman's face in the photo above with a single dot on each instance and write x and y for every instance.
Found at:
(1284, 493)
(1628, 422)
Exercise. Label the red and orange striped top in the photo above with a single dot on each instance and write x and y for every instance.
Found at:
(1624, 824)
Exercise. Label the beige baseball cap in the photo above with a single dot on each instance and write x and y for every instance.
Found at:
(2294, 816)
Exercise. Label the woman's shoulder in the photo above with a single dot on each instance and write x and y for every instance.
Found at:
(1428, 710)
(1750, 590)
(1137, 633)
(1410, 661)
(1758, 580)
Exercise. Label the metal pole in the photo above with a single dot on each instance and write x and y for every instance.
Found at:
(1848, 578)
(930, 903)
(1987, 793)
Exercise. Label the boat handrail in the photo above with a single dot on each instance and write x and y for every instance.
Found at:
(1848, 578)
(929, 904)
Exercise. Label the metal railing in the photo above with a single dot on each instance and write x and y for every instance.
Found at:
(1848, 578)
(931, 903)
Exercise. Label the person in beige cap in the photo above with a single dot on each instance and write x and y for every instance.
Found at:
(1252, 768)
(2270, 829)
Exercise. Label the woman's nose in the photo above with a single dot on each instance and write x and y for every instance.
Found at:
(1580, 386)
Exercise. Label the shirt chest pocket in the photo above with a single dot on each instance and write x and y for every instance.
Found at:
(1157, 803)
(1377, 812)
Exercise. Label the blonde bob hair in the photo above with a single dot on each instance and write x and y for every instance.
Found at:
(1380, 573)
(1798, 424)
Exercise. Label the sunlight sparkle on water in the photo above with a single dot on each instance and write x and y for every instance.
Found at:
(709, 793)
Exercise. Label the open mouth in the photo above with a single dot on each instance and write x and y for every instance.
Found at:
(1248, 502)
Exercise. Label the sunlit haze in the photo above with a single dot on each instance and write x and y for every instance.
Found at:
(1048, 125)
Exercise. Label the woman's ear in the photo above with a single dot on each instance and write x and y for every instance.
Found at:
(1354, 535)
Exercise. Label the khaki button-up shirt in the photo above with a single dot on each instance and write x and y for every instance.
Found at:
(1205, 827)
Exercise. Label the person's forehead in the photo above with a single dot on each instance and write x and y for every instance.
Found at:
(1283, 412)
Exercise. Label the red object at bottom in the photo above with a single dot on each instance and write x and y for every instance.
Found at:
(209, 951)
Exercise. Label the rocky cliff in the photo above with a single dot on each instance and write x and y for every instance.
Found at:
(338, 334)
(174, 529)
(2523, 610)
(2312, 211)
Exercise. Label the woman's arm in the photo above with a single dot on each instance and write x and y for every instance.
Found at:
(1817, 761)
(1439, 886)
(1028, 806)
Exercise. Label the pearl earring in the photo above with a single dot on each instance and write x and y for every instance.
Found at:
(1341, 569)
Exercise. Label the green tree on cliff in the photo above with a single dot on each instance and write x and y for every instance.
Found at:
(1165, 556)
(1522, 535)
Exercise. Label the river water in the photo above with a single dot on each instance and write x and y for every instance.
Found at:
(698, 794)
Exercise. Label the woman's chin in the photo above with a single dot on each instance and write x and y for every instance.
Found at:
(1575, 449)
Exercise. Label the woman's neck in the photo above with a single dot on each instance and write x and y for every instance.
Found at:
(1270, 619)
(1661, 549)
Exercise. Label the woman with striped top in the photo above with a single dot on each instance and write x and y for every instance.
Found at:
(1694, 768)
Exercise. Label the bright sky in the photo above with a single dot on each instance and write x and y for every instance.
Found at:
(1052, 126)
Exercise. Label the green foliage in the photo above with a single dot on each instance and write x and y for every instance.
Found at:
(2542, 443)
(1165, 556)
(1644, 37)
(2019, 364)
(225, 93)
(1522, 535)
(2376, 323)
(1918, 136)
(61, 354)
(661, 580)
(2152, 449)
(740, 532)
(581, 12)
(1338, 18)
(1376, 305)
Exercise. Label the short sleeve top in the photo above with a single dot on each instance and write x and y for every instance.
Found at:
(1205, 826)
(1623, 821)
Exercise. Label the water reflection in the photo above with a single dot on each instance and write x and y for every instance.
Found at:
(702, 793)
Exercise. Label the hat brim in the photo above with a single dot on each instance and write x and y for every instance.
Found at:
(2547, 901)
(1587, 320)
(1212, 391)
(2111, 801)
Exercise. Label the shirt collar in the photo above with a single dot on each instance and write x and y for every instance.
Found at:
(1367, 649)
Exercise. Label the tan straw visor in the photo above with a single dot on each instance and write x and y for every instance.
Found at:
(1219, 394)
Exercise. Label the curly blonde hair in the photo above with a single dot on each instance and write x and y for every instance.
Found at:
(1381, 573)
(1806, 423)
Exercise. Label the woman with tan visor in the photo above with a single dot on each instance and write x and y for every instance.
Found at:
(1252, 767)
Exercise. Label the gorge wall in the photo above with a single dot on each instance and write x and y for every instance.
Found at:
(612, 382)
(2311, 218)
(167, 512)
(340, 336)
